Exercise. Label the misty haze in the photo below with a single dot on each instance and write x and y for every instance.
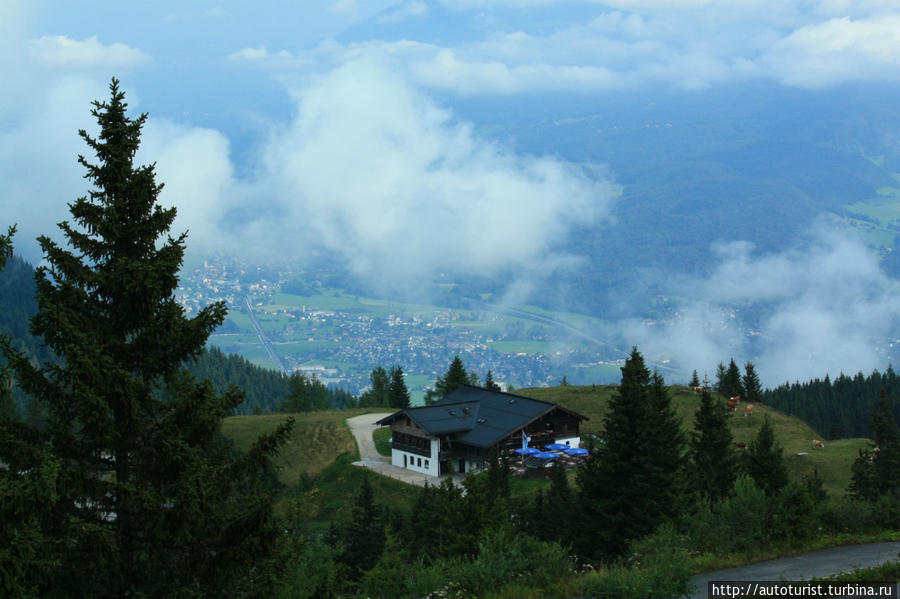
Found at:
(534, 186)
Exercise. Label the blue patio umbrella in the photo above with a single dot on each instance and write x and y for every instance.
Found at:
(556, 447)
(546, 455)
(576, 451)
(527, 451)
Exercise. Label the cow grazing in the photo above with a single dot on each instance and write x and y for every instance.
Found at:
(733, 402)
(741, 445)
(748, 410)
(818, 444)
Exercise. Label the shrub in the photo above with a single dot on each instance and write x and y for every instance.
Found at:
(657, 566)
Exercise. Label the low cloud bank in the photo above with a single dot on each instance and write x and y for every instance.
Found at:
(823, 307)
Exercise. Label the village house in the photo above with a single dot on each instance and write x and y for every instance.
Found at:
(457, 433)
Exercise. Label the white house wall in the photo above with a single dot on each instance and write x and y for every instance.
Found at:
(413, 461)
(570, 441)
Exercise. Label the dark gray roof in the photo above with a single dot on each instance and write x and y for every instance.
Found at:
(478, 417)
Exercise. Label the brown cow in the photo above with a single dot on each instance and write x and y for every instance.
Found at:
(748, 410)
(818, 444)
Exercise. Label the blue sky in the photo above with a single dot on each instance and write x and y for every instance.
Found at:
(281, 127)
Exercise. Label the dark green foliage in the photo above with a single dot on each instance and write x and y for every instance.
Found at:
(840, 408)
(455, 377)
(764, 460)
(561, 518)
(305, 394)
(714, 463)
(264, 389)
(148, 498)
(876, 472)
(398, 394)
(388, 578)
(489, 382)
(730, 384)
(720, 378)
(378, 393)
(498, 474)
(435, 522)
(752, 388)
(695, 380)
(626, 489)
(658, 567)
(363, 537)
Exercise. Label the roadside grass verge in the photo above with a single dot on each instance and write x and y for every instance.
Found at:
(382, 438)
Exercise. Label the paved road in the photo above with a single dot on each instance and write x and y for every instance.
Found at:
(802, 567)
(362, 428)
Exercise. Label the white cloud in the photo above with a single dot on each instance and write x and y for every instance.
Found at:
(194, 165)
(375, 171)
(839, 50)
(62, 51)
(823, 307)
(691, 44)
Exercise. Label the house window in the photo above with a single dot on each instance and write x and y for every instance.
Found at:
(426, 464)
(419, 462)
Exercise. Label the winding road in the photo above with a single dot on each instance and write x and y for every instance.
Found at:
(818, 564)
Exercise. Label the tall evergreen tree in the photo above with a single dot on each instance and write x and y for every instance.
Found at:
(398, 394)
(764, 460)
(876, 471)
(377, 395)
(455, 377)
(623, 492)
(695, 380)
(720, 378)
(489, 382)
(364, 535)
(713, 459)
(752, 388)
(731, 384)
(149, 500)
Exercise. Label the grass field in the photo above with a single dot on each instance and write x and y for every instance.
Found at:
(322, 447)
(795, 436)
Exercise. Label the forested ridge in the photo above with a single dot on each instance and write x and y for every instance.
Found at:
(837, 409)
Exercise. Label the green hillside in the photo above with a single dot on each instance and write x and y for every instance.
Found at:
(319, 438)
(794, 435)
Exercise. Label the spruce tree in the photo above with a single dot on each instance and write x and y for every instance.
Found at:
(720, 378)
(489, 382)
(149, 499)
(713, 459)
(752, 387)
(731, 384)
(455, 377)
(377, 395)
(398, 394)
(764, 460)
(695, 380)
(624, 492)
(364, 534)
(876, 471)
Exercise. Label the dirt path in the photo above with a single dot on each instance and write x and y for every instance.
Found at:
(362, 428)
(803, 567)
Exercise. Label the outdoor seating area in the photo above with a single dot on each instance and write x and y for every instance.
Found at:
(531, 462)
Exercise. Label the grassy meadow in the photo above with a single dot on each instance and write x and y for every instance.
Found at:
(795, 436)
(317, 459)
